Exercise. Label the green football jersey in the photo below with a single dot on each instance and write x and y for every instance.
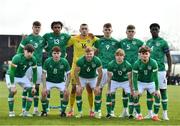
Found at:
(145, 70)
(37, 42)
(88, 69)
(106, 50)
(159, 47)
(119, 71)
(19, 66)
(52, 40)
(56, 70)
(131, 48)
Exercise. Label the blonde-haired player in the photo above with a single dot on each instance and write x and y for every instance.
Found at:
(79, 43)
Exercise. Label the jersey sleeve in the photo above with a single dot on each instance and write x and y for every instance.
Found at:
(71, 42)
(99, 63)
(21, 45)
(45, 41)
(129, 67)
(13, 67)
(67, 68)
(45, 66)
(110, 69)
(165, 47)
(34, 68)
(79, 62)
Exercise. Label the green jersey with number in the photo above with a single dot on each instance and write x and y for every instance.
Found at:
(60, 40)
(145, 70)
(56, 70)
(159, 47)
(38, 42)
(106, 50)
(19, 66)
(88, 69)
(131, 48)
(119, 71)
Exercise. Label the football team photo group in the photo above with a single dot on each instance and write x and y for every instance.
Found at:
(100, 66)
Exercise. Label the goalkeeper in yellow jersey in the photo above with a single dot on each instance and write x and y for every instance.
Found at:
(79, 43)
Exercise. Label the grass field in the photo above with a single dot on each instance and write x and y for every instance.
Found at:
(54, 119)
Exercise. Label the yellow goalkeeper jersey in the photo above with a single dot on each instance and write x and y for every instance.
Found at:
(79, 44)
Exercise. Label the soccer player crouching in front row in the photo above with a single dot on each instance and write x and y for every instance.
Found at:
(85, 74)
(56, 74)
(16, 74)
(145, 77)
(119, 76)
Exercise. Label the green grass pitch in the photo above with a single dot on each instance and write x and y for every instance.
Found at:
(54, 118)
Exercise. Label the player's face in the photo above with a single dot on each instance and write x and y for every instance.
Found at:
(130, 33)
(89, 55)
(56, 55)
(119, 58)
(27, 54)
(145, 56)
(107, 32)
(57, 28)
(84, 30)
(154, 31)
(36, 29)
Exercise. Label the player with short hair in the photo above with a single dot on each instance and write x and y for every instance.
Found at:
(88, 71)
(145, 77)
(130, 45)
(159, 49)
(80, 43)
(106, 47)
(119, 76)
(56, 38)
(38, 42)
(16, 75)
(56, 74)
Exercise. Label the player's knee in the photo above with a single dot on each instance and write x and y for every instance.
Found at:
(73, 90)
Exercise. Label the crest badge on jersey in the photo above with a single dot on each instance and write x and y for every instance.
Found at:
(88, 41)
(149, 67)
(124, 69)
(62, 38)
(93, 65)
(134, 42)
(30, 63)
(61, 66)
(157, 44)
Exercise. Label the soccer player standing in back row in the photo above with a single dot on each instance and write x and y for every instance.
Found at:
(130, 45)
(38, 42)
(80, 43)
(160, 49)
(106, 47)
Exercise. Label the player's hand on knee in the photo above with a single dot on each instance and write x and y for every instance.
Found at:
(33, 91)
(97, 90)
(13, 90)
(157, 93)
(136, 94)
(79, 89)
(44, 92)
